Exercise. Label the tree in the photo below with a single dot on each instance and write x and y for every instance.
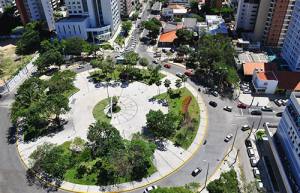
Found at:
(57, 104)
(126, 27)
(194, 6)
(8, 21)
(227, 183)
(131, 58)
(104, 139)
(184, 36)
(106, 172)
(153, 25)
(48, 58)
(178, 83)
(184, 79)
(158, 83)
(61, 82)
(50, 159)
(47, 45)
(167, 83)
(143, 61)
(73, 46)
(29, 41)
(161, 125)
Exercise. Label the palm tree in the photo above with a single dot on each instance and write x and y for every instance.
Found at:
(158, 83)
(167, 83)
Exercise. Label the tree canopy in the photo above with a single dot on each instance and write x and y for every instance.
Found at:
(131, 58)
(153, 25)
(227, 183)
(184, 36)
(73, 46)
(126, 26)
(30, 40)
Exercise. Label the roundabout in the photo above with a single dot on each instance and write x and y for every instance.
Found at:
(134, 104)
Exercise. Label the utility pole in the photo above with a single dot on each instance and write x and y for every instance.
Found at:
(234, 138)
(251, 129)
(206, 176)
(259, 122)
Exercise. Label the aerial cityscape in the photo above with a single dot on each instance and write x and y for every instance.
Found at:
(150, 96)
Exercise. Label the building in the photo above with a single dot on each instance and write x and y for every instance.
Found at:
(90, 19)
(246, 14)
(288, 133)
(214, 3)
(126, 7)
(273, 21)
(174, 10)
(250, 57)
(167, 39)
(216, 25)
(37, 10)
(270, 81)
(156, 8)
(291, 49)
(182, 2)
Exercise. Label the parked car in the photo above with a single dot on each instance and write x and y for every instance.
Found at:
(196, 171)
(228, 137)
(172, 50)
(164, 50)
(179, 74)
(250, 152)
(242, 106)
(228, 108)
(247, 91)
(245, 127)
(155, 61)
(278, 102)
(213, 103)
(253, 161)
(167, 65)
(189, 72)
(248, 143)
(256, 172)
(279, 114)
(284, 102)
(214, 93)
(256, 112)
(80, 67)
(150, 188)
(259, 185)
(266, 108)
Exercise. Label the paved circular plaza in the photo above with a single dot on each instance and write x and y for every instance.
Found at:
(135, 104)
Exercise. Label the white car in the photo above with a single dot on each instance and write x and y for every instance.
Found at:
(250, 152)
(228, 137)
(228, 108)
(179, 74)
(150, 188)
(245, 127)
(256, 172)
(253, 161)
(266, 108)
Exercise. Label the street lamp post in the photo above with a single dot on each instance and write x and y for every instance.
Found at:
(234, 138)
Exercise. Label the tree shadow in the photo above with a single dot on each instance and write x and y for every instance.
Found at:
(11, 135)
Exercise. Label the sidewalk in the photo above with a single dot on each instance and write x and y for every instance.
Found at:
(166, 162)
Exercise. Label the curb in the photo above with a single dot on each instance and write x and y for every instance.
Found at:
(151, 182)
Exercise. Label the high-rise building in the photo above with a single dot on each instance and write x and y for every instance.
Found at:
(289, 135)
(5, 3)
(246, 14)
(126, 7)
(37, 10)
(95, 19)
(291, 45)
(273, 19)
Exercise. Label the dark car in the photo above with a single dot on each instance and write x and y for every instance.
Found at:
(213, 104)
(196, 171)
(256, 112)
(248, 143)
(279, 114)
(214, 93)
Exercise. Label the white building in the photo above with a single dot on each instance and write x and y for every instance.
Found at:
(174, 11)
(289, 135)
(264, 82)
(291, 45)
(246, 14)
(184, 2)
(96, 19)
(216, 24)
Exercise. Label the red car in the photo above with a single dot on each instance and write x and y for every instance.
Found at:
(242, 106)
(189, 72)
(167, 65)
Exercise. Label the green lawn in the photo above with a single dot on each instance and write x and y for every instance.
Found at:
(189, 131)
(98, 111)
(69, 93)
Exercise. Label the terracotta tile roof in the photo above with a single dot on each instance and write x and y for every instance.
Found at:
(249, 67)
(168, 37)
(266, 75)
(288, 80)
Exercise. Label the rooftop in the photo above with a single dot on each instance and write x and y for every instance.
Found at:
(288, 80)
(176, 6)
(266, 75)
(168, 37)
(189, 22)
(249, 67)
(246, 57)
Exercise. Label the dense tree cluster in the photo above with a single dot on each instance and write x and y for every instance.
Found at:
(8, 21)
(227, 183)
(213, 57)
(30, 39)
(106, 157)
(126, 27)
(153, 25)
(40, 103)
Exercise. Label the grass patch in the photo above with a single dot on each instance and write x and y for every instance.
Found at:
(71, 92)
(12, 64)
(187, 132)
(98, 111)
(70, 176)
